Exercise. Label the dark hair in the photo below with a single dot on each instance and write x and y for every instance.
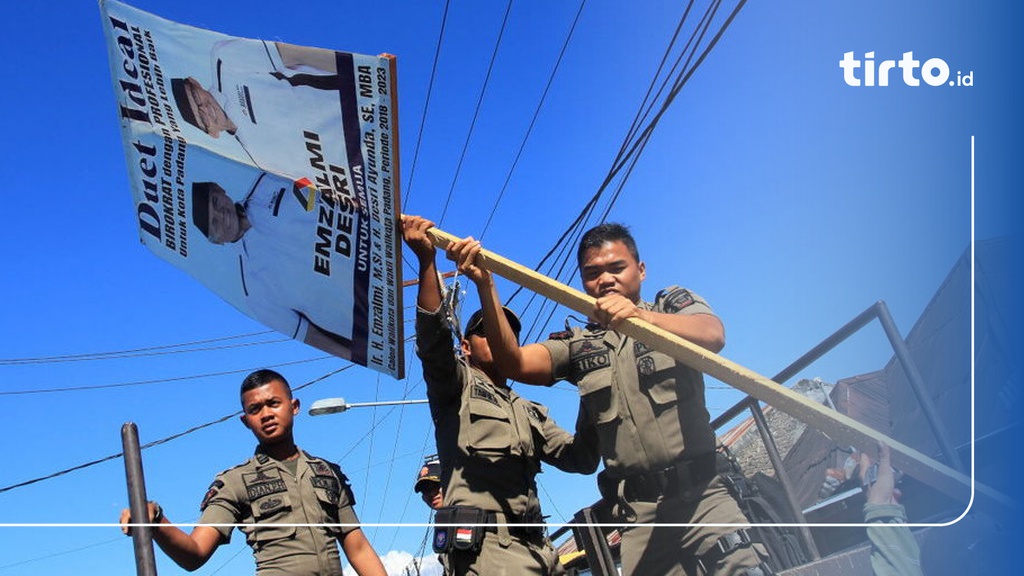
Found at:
(183, 102)
(604, 233)
(201, 204)
(262, 378)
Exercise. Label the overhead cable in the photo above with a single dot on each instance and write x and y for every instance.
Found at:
(533, 120)
(476, 112)
(131, 353)
(426, 104)
(165, 440)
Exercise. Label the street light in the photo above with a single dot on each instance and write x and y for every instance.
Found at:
(337, 405)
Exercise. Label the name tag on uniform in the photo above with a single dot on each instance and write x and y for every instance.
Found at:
(263, 483)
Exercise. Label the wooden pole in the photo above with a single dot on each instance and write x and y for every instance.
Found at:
(840, 428)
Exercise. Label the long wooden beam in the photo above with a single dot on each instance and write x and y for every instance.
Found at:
(840, 427)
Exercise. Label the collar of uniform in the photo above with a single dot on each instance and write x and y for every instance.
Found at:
(610, 338)
(264, 460)
(482, 376)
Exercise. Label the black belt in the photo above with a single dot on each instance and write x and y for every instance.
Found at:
(511, 519)
(683, 478)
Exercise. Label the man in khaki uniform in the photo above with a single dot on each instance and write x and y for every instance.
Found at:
(278, 486)
(648, 410)
(490, 441)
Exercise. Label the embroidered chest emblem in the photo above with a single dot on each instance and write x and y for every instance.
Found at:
(262, 484)
(484, 394)
(320, 468)
(588, 355)
(639, 348)
(645, 365)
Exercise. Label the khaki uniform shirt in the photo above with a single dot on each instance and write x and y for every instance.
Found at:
(647, 408)
(490, 441)
(263, 493)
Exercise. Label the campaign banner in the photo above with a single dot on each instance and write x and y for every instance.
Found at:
(268, 172)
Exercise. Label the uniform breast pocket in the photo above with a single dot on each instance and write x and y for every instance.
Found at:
(490, 427)
(269, 511)
(662, 380)
(598, 396)
(328, 499)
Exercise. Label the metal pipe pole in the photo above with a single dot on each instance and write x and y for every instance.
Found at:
(917, 386)
(142, 536)
(783, 478)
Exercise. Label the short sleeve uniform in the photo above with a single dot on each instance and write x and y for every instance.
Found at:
(262, 494)
(649, 413)
(648, 409)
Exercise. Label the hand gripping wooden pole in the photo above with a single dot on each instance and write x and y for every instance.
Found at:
(840, 428)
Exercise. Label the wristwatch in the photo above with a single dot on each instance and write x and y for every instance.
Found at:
(158, 512)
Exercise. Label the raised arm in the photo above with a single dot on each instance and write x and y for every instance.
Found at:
(190, 551)
(530, 364)
(433, 336)
(414, 232)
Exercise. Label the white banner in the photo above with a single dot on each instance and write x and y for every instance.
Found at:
(269, 172)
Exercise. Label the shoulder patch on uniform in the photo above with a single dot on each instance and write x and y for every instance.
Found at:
(675, 299)
(210, 493)
(563, 335)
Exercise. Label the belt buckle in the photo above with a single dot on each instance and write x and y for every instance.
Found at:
(683, 480)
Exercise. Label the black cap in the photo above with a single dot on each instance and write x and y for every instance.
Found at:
(476, 321)
(431, 472)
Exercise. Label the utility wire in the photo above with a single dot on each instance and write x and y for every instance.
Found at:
(61, 553)
(533, 121)
(155, 381)
(476, 112)
(161, 353)
(165, 440)
(426, 104)
(631, 150)
(119, 354)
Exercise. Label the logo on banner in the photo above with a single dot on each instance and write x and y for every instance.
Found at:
(911, 71)
(305, 191)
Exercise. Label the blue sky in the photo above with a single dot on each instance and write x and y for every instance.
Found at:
(788, 199)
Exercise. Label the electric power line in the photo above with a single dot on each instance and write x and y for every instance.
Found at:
(533, 120)
(156, 380)
(135, 352)
(476, 112)
(426, 104)
(164, 440)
